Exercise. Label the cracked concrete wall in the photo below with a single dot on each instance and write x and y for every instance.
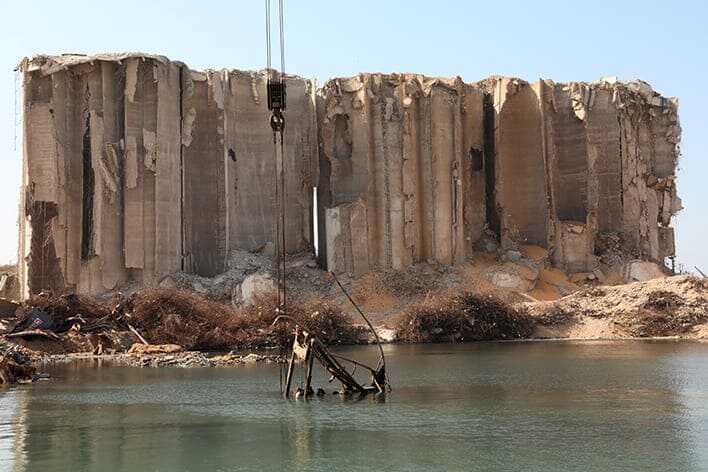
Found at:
(521, 162)
(136, 166)
(250, 165)
(204, 179)
(65, 110)
(576, 161)
(402, 170)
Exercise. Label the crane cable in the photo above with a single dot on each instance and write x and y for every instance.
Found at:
(276, 104)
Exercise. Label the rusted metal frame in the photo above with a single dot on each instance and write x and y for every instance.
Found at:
(289, 377)
(309, 360)
(374, 372)
(382, 360)
(338, 372)
(315, 348)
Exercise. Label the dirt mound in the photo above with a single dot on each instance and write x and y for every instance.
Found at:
(461, 316)
(668, 306)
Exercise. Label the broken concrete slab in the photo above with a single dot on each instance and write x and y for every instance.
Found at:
(253, 287)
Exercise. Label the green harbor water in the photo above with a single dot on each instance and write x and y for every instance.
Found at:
(535, 406)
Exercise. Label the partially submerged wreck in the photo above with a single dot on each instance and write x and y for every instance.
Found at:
(307, 347)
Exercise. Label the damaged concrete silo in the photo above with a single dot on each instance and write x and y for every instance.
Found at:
(575, 163)
(402, 177)
(136, 166)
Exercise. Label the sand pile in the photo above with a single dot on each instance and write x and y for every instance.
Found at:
(668, 306)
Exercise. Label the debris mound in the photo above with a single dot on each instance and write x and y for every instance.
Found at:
(58, 313)
(556, 315)
(14, 366)
(462, 316)
(666, 313)
(172, 316)
(12, 372)
(670, 306)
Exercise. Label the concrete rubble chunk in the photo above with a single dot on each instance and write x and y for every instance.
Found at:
(253, 287)
(641, 271)
(514, 277)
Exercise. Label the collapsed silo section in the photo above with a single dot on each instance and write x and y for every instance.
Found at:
(579, 168)
(612, 155)
(515, 132)
(402, 177)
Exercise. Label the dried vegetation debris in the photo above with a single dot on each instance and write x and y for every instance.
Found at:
(168, 316)
(462, 316)
(59, 313)
(324, 319)
(171, 316)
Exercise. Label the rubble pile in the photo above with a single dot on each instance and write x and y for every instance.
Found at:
(14, 366)
(670, 306)
(248, 276)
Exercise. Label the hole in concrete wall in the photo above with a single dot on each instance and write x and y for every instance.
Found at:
(476, 157)
(342, 138)
(232, 154)
(87, 193)
(489, 165)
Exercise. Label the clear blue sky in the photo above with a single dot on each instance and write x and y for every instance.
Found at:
(664, 43)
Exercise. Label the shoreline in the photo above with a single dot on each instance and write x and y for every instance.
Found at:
(168, 327)
(215, 359)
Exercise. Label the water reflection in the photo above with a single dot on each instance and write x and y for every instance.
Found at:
(536, 406)
(13, 428)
